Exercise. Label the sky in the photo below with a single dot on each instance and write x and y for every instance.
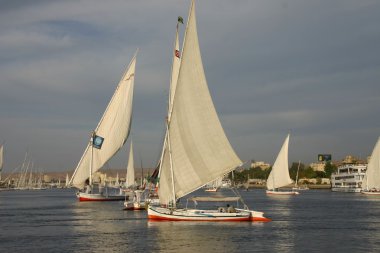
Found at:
(308, 68)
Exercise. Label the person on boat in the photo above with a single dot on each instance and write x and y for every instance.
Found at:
(230, 209)
(87, 186)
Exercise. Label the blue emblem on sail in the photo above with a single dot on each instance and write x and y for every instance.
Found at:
(97, 141)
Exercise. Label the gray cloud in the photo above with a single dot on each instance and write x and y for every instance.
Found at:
(311, 68)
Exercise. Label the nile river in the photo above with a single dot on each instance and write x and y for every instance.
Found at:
(314, 221)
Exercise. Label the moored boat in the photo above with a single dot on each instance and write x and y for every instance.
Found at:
(348, 178)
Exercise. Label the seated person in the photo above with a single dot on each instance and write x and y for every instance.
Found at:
(230, 209)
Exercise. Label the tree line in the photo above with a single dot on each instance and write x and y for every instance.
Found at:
(304, 172)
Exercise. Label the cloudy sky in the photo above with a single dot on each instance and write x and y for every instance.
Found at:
(311, 68)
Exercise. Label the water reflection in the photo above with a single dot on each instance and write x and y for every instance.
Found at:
(198, 236)
(105, 227)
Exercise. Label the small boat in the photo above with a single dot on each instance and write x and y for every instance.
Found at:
(279, 175)
(214, 185)
(137, 197)
(296, 186)
(138, 201)
(371, 181)
(195, 149)
(106, 140)
(211, 189)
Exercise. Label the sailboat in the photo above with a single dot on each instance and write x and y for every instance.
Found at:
(196, 150)
(106, 140)
(67, 181)
(1, 159)
(279, 175)
(371, 181)
(296, 186)
(214, 185)
(138, 195)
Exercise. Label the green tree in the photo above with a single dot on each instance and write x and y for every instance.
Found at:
(309, 173)
(329, 169)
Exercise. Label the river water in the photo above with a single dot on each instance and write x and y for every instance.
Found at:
(314, 221)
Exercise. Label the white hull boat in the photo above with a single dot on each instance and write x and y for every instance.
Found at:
(167, 214)
(82, 196)
(282, 192)
(195, 142)
(107, 139)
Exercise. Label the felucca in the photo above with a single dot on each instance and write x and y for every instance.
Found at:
(371, 181)
(137, 202)
(196, 150)
(279, 175)
(106, 140)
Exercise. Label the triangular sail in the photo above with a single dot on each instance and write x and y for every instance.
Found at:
(1, 159)
(200, 150)
(176, 63)
(279, 176)
(130, 179)
(114, 127)
(372, 177)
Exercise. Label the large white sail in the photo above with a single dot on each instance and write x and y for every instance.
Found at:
(372, 177)
(130, 178)
(279, 176)
(114, 127)
(198, 150)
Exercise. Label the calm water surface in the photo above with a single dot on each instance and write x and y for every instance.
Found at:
(314, 221)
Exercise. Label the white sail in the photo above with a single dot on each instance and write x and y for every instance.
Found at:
(130, 178)
(372, 177)
(67, 180)
(1, 159)
(198, 150)
(176, 63)
(114, 127)
(279, 176)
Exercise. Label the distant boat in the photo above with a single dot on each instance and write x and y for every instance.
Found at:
(296, 186)
(196, 150)
(106, 140)
(1, 159)
(279, 175)
(371, 181)
(137, 197)
(214, 185)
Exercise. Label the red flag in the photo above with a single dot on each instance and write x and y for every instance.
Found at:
(177, 53)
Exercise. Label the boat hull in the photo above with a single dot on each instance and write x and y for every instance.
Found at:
(282, 192)
(371, 193)
(134, 206)
(82, 196)
(165, 214)
(346, 189)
